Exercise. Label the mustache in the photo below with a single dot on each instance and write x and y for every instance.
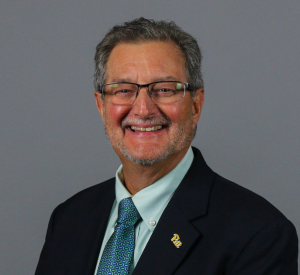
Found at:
(155, 121)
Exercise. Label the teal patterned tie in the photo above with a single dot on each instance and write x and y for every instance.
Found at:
(118, 252)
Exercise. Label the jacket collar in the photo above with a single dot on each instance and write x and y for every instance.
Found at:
(190, 201)
(194, 188)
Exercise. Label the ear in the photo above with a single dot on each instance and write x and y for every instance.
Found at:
(198, 101)
(99, 103)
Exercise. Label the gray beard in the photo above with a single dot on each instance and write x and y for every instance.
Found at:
(145, 162)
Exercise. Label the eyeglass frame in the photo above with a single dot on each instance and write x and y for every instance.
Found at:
(187, 87)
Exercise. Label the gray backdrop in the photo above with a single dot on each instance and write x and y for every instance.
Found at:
(52, 140)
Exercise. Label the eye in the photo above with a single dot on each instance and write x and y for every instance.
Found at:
(124, 93)
(163, 92)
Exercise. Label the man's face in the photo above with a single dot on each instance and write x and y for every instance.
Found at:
(173, 123)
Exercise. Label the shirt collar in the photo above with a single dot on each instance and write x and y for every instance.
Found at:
(152, 200)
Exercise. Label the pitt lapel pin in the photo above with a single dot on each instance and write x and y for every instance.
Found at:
(176, 240)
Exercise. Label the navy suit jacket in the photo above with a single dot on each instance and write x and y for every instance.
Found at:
(224, 228)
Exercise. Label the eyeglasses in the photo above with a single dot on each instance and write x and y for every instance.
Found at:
(164, 92)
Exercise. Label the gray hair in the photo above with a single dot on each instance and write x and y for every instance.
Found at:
(142, 30)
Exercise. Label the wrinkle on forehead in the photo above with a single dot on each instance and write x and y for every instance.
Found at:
(130, 72)
(146, 65)
(134, 71)
(145, 62)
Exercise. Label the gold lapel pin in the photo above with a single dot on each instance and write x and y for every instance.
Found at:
(176, 240)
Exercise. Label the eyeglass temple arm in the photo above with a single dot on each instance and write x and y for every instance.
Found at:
(190, 87)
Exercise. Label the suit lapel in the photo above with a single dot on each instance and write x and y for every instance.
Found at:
(93, 229)
(189, 202)
(161, 255)
(101, 213)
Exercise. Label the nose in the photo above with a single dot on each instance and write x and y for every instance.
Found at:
(144, 106)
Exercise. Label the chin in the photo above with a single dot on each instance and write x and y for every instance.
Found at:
(148, 157)
(145, 161)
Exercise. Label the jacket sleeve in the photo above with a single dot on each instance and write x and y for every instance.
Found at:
(271, 251)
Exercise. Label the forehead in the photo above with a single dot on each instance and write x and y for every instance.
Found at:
(151, 60)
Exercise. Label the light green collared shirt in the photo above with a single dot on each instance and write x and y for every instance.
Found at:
(150, 203)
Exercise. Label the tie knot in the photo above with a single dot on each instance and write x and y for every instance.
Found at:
(128, 214)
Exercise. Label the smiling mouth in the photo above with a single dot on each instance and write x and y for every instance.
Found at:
(148, 129)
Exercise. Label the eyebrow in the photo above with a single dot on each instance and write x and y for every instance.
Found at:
(166, 78)
(119, 79)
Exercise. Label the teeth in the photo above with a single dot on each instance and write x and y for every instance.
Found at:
(149, 129)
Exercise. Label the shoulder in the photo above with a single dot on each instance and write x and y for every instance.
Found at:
(223, 196)
(241, 201)
(254, 228)
(78, 221)
(93, 197)
(244, 212)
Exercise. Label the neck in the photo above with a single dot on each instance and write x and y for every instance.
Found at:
(138, 177)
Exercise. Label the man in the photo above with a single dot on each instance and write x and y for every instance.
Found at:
(166, 211)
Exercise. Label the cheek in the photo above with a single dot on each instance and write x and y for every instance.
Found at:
(176, 112)
(115, 114)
